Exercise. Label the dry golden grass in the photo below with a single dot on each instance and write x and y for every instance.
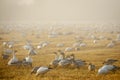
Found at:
(95, 53)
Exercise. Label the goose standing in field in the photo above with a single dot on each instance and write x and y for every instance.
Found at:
(77, 62)
(55, 62)
(14, 59)
(61, 55)
(56, 56)
(42, 70)
(91, 67)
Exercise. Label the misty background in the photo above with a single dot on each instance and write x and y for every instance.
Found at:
(59, 11)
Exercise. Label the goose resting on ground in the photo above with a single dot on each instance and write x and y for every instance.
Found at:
(40, 70)
(13, 60)
(107, 68)
(28, 61)
(5, 56)
(110, 61)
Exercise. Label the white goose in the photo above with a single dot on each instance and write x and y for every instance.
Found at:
(8, 51)
(64, 61)
(105, 69)
(61, 55)
(95, 41)
(77, 62)
(4, 43)
(27, 47)
(68, 49)
(42, 70)
(55, 62)
(10, 46)
(28, 61)
(14, 59)
(110, 45)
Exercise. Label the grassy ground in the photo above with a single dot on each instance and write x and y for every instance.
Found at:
(94, 53)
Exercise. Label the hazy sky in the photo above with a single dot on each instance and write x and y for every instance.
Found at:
(56, 11)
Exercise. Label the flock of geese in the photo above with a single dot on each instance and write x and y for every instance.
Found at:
(60, 60)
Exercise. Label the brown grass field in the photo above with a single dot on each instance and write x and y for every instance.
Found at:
(94, 53)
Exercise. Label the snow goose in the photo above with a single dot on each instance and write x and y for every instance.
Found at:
(64, 62)
(77, 62)
(5, 56)
(28, 61)
(83, 45)
(8, 51)
(68, 49)
(106, 69)
(95, 41)
(27, 47)
(61, 55)
(55, 62)
(42, 70)
(14, 59)
(110, 45)
(110, 61)
(4, 43)
(91, 67)
(10, 44)
(39, 46)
